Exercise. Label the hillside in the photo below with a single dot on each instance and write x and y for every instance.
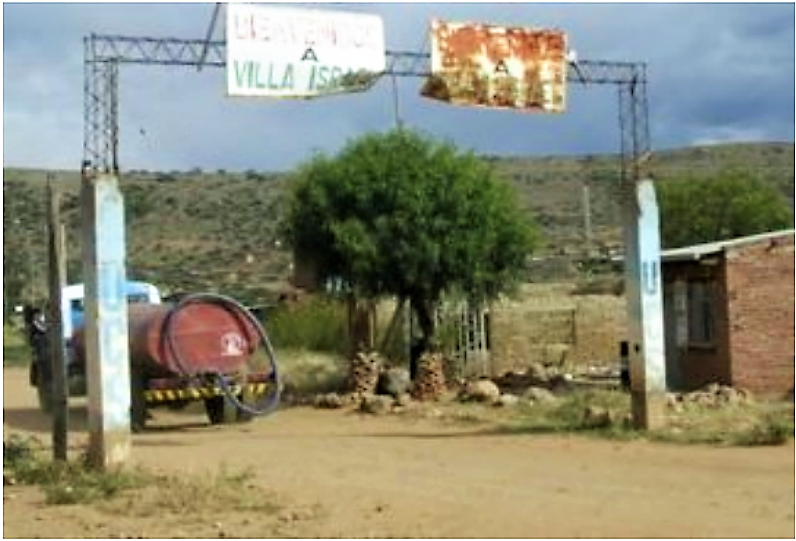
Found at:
(216, 231)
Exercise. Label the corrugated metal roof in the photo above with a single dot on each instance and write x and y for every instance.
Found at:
(698, 251)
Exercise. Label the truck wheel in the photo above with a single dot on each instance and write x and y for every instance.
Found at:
(243, 415)
(222, 411)
(138, 410)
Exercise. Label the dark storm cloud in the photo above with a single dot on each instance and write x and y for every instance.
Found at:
(717, 72)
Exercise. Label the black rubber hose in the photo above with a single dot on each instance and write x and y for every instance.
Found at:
(237, 309)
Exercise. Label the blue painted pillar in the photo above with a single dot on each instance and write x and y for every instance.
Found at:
(643, 289)
(107, 350)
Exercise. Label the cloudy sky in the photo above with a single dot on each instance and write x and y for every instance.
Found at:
(717, 72)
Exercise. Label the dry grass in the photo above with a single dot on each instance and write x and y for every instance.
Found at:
(133, 491)
(15, 350)
(310, 372)
(195, 495)
(765, 423)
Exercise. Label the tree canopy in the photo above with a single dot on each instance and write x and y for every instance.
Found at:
(401, 214)
(728, 205)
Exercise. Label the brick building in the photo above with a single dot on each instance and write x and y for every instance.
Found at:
(729, 314)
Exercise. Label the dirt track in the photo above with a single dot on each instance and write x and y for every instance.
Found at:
(391, 477)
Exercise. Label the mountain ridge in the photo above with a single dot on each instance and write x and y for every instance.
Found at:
(217, 231)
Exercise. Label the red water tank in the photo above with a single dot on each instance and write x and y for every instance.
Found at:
(194, 338)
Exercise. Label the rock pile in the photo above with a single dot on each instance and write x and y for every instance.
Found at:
(430, 379)
(329, 401)
(363, 372)
(713, 395)
(334, 401)
(366, 403)
(376, 404)
(535, 375)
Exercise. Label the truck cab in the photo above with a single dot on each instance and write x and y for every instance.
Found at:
(73, 318)
(73, 308)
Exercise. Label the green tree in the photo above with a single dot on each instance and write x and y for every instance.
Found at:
(400, 214)
(728, 205)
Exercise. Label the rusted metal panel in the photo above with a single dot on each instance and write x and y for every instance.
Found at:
(494, 66)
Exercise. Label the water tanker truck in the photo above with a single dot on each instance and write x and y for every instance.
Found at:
(205, 347)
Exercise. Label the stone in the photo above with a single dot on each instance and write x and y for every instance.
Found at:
(375, 404)
(539, 394)
(350, 399)
(596, 417)
(507, 401)
(747, 397)
(672, 401)
(482, 390)
(537, 373)
(403, 400)
(329, 401)
(728, 395)
(394, 382)
(560, 382)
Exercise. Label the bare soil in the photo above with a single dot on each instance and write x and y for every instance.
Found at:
(338, 474)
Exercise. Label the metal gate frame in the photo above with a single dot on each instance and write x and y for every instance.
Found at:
(103, 54)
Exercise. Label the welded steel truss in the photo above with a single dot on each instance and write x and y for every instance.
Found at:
(103, 54)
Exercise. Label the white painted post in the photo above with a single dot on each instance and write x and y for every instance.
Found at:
(107, 350)
(645, 305)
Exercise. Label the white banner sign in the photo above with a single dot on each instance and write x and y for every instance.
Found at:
(285, 52)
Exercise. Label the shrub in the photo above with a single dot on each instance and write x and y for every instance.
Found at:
(317, 324)
(15, 350)
(306, 373)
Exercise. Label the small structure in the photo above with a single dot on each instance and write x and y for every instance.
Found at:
(729, 314)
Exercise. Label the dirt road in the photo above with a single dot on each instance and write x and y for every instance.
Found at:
(391, 477)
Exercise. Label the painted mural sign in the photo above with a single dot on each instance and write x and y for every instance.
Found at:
(282, 52)
(495, 66)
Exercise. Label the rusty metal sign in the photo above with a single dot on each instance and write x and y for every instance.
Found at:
(494, 66)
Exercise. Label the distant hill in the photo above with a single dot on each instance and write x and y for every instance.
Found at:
(216, 231)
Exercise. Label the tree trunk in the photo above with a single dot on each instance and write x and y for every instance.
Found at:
(361, 325)
(424, 309)
(390, 332)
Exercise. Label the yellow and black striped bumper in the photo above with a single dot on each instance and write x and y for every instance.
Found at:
(200, 393)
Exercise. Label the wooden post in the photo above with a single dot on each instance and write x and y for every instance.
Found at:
(56, 282)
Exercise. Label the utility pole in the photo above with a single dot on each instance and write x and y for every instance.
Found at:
(643, 289)
(107, 352)
(56, 281)
(396, 104)
(587, 216)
